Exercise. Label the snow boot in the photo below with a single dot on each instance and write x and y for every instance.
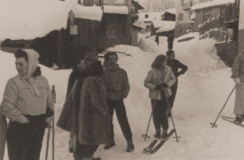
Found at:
(164, 135)
(238, 119)
(108, 146)
(157, 135)
(130, 146)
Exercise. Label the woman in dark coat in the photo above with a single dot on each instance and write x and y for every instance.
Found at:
(93, 119)
(77, 68)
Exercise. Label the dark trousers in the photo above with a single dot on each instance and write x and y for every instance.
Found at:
(171, 99)
(25, 140)
(159, 108)
(84, 151)
(119, 108)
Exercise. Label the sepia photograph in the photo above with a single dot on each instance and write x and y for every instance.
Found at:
(121, 79)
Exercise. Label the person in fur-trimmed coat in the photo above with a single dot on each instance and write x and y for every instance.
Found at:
(93, 119)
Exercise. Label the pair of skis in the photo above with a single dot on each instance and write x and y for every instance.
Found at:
(151, 149)
(231, 119)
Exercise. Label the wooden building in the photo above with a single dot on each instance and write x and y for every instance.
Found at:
(83, 33)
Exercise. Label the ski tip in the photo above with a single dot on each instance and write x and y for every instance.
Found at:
(213, 125)
(146, 150)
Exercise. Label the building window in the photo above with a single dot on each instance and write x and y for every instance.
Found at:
(180, 16)
(114, 2)
(146, 16)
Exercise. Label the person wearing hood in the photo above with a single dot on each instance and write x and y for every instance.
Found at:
(117, 89)
(27, 102)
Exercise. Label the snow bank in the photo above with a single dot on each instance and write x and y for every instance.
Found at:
(27, 19)
(211, 4)
(168, 26)
(200, 56)
(147, 45)
(116, 9)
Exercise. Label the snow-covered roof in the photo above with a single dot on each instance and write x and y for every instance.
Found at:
(160, 24)
(167, 26)
(211, 4)
(89, 12)
(28, 19)
(171, 10)
(139, 24)
(116, 9)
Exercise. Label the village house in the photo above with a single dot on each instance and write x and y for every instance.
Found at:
(185, 17)
(90, 25)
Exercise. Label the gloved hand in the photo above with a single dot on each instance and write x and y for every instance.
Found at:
(164, 85)
(157, 87)
(49, 112)
(237, 80)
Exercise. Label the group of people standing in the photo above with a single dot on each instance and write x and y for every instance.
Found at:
(94, 93)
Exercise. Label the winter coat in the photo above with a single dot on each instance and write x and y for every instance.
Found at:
(73, 76)
(116, 83)
(154, 77)
(68, 117)
(18, 100)
(175, 66)
(93, 120)
(238, 67)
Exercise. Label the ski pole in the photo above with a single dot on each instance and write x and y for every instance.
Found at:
(47, 147)
(169, 108)
(214, 124)
(145, 135)
(53, 131)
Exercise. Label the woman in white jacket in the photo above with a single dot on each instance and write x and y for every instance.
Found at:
(27, 102)
(159, 80)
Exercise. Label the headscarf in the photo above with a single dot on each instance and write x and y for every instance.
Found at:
(32, 65)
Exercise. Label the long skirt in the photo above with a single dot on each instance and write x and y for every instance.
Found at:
(239, 100)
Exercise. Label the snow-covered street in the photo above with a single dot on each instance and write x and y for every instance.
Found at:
(202, 91)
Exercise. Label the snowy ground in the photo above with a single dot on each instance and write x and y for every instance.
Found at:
(202, 91)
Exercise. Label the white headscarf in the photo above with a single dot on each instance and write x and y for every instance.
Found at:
(32, 65)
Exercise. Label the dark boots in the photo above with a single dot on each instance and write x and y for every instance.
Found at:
(130, 146)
